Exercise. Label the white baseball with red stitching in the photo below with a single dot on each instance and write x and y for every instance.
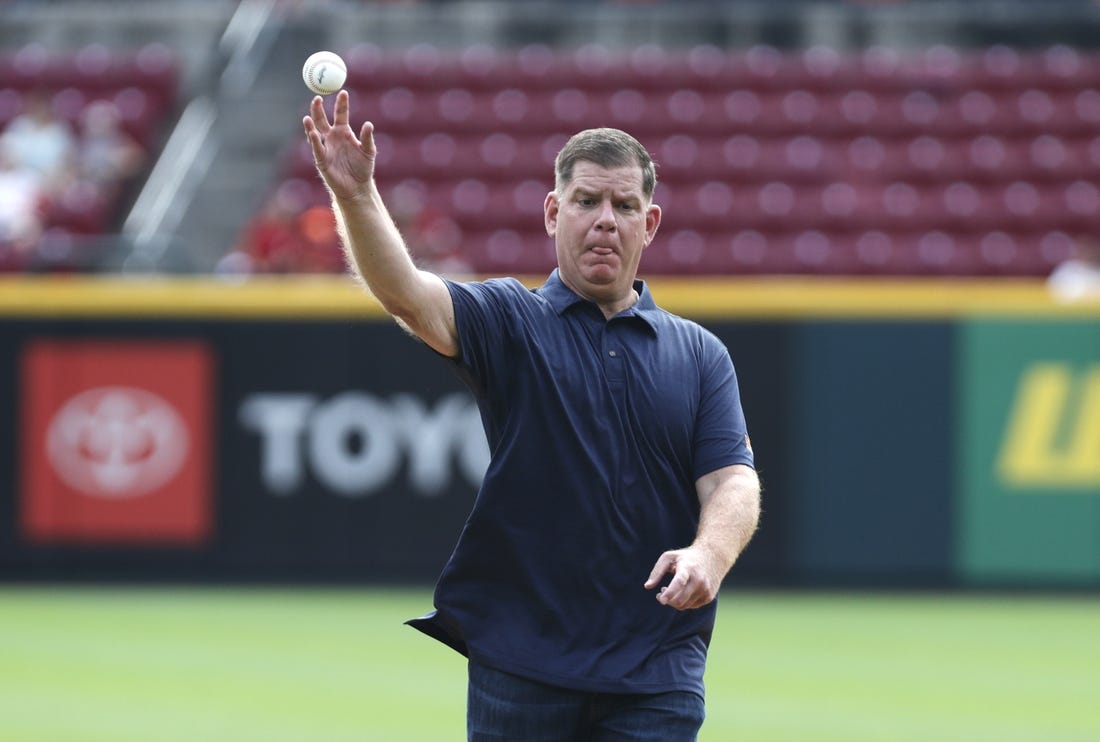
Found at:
(324, 73)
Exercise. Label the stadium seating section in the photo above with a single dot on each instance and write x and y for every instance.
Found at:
(141, 85)
(943, 162)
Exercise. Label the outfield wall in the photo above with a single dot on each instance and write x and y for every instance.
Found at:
(907, 433)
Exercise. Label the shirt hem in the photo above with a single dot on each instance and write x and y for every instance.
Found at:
(582, 684)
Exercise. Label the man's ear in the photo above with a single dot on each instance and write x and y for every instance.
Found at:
(550, 213)
(652, 221)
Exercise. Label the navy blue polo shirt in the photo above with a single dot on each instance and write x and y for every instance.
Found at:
(598, 430)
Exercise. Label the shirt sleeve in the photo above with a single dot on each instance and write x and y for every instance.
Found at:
(721, 434)
(482, 318)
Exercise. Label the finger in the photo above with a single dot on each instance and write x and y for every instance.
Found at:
(366, 139)
(340, 112)
(703, 592)
(665, 563)
(679, 592)
(689, 601)
(672, 600)
(700, 600)
(320, 118)
(314, 138)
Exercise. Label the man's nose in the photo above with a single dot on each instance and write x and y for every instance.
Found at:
(605, 219)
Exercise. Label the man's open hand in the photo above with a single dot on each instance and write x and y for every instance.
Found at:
(346, 162)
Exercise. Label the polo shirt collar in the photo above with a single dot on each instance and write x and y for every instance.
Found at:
(561, 297)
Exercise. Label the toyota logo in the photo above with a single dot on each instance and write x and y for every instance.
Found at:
(117, 442)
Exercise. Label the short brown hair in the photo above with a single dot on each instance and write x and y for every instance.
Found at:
(607, 148)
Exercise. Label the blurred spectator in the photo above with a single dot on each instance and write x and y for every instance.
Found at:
(269, 239)
(41, 142)
(291, 235)
(296, 233)
(1078, 277)
(433, 238)
(19, 212)
(106, 155)
(320, 250)
(436, 245)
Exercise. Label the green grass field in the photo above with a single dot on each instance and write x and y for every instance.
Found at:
(337, 664)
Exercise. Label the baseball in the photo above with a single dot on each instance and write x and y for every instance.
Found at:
(324, 73)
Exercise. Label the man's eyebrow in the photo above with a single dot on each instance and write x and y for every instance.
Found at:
(616, 195)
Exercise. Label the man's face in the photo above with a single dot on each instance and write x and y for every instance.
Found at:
(600, 223)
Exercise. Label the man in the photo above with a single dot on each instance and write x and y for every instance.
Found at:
(620, 461)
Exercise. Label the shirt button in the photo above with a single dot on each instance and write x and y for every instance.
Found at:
(612, 353)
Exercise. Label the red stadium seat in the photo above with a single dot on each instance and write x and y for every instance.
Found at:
(874, 251)
(1066, 68)
(934, 252)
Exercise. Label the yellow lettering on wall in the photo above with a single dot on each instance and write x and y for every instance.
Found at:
(1053, 435)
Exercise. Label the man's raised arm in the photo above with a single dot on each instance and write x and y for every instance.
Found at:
(374, 246)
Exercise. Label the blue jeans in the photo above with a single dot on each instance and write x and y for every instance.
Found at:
(505, 708)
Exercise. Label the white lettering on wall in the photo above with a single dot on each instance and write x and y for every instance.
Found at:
(355, 443)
